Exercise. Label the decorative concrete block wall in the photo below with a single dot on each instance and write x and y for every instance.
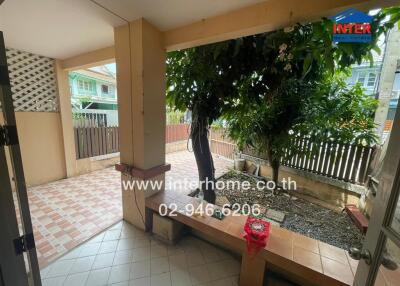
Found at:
(33, 81)
(35, 96)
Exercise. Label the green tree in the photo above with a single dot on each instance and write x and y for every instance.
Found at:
(280, 71)
(174, 116)
(199, 80)
(329, 111)
(340, 112)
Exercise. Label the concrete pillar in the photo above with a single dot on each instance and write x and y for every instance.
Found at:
(389, 65)
(140, 58)
(64, 100)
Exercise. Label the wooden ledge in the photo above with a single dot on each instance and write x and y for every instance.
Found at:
(306, 260)
(140, 173)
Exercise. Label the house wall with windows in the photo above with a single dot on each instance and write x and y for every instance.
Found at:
(366, 76)
(93, 92)
(382, 80)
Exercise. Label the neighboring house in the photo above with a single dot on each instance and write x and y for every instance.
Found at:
(367, 76)
(93, 91)
(382, 80)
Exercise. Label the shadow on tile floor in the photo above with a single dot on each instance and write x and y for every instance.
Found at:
(126, 256)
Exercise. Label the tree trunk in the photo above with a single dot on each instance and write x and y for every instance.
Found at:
(274, 163)
(202, 153)
(275, 172)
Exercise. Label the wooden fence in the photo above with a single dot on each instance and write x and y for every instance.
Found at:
(345, 162)
(95, 141)
(83, 119)
(177, 132)
(221, 144)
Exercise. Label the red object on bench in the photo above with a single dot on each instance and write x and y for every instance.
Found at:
(256, 234)
(357, 217)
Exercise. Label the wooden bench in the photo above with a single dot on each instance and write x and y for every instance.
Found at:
(304, 260)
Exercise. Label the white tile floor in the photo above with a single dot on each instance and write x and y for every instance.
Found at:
(126, 256)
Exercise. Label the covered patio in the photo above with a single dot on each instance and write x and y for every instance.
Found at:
(68, 215)
(68, 212)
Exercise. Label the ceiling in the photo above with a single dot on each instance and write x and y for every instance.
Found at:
(65, 28)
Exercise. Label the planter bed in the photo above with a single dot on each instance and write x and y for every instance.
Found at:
(301, 216)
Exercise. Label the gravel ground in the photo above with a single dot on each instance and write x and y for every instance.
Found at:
(301, 216)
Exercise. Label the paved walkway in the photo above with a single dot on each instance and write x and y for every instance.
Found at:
(124, 255)
(68, 212)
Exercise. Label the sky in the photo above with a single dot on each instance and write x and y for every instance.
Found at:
(105, 69)
(112, 67)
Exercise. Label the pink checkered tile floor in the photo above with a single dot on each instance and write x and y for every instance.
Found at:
(68, 212)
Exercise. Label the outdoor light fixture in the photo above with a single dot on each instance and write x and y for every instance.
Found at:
(397, 67)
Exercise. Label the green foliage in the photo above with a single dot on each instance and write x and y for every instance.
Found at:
(199, 79)
(341, 55)
(214, 77)
(265, 126)
(84, 100)
(175, 116)
(272, 86)
(340, 112)
(331, 111)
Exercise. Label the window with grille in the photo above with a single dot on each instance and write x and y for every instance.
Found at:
(104, 89)
(361, 78)
(371, 79)
(86, 86)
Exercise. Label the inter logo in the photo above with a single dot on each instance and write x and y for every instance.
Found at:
(351, 26)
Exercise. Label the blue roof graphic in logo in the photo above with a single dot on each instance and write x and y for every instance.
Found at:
(351, 26)
(351, 16)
